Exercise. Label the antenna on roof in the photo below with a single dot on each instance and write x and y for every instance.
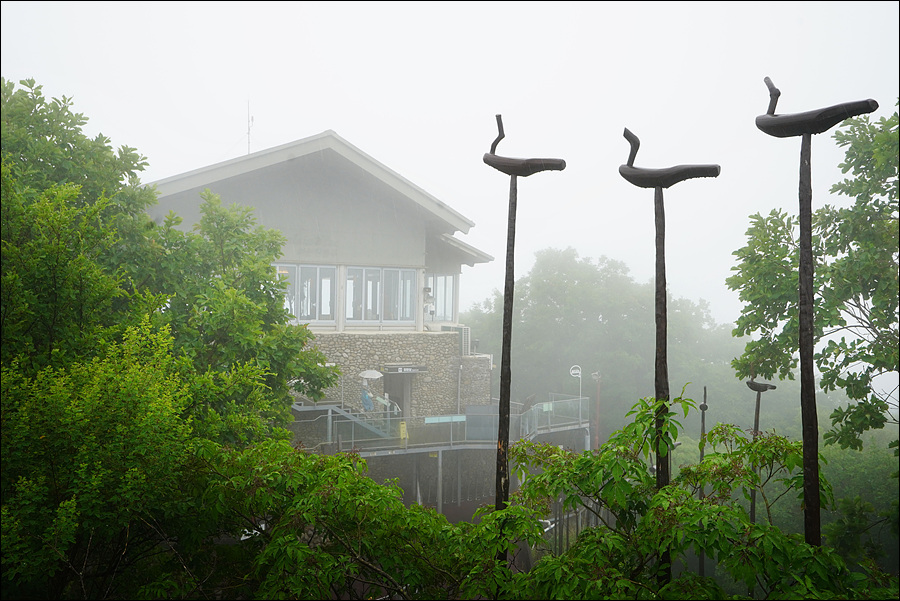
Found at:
(249, 125)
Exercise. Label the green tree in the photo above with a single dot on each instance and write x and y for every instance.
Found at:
(123, 345)
(44, 145)
(223, 302)
(56, 299)
(73, 214)
(591, 312)
(856, 284)
(306, 526)
(864, 525)
(94, 456)
(82, 261)
(619, 558)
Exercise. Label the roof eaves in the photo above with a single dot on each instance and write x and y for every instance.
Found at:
(467, 249)
(204, 176)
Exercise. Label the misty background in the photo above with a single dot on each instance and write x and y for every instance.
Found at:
(418, 85)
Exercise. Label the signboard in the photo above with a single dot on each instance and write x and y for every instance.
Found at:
(404, 369)
(403, 433)
(443, 419)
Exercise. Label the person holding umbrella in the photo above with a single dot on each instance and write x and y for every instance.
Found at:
(367, 403)
(367, 397)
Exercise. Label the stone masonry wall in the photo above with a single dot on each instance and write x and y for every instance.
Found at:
(450, 380)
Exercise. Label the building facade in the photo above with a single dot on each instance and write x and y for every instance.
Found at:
(372, 265)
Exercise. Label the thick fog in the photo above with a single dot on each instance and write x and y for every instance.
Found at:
(418, 85)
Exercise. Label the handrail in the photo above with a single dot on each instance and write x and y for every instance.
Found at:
(374, 431)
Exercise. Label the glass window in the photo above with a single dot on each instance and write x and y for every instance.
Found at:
(391, 294)
(408, 295)
(310, 294)
(442, 306)
(372, 295)
(289, 273)
(354, 294)
(381, 295)
(327, 292)
(399, 294)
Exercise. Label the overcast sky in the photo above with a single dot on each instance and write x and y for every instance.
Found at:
(417, 86)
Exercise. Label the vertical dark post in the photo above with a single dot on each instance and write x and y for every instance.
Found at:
(810, 423)
(513, 168)
(659, 179)
(662, 364)
(755, 435)
(703, 408)
(805, 125)
(595, 421)
(505, 371)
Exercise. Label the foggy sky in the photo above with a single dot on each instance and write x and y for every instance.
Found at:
(417, 86)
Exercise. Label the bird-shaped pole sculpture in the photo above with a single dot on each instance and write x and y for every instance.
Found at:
(806, 124)
(809, 122)
(703, 407)
(758, 388)
(512, 167)
(659, 179)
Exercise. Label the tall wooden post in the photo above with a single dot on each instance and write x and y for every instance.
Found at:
(514, 168)
(661, 371)
(659, 179)
(502, 484)
(703, 408)
(805, 125)
(812, 523)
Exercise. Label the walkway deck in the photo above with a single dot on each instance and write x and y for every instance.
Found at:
(377, 433)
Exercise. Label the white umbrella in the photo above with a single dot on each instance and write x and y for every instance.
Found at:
(370, 374)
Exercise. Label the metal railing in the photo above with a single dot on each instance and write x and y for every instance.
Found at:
(340, 430)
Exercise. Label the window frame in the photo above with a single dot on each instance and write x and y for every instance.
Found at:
(443, 291)
(324, 290)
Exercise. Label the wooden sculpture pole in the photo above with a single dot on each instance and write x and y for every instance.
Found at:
(659, 179)
(703, 408)
(809, 419)
(502, 483)
(805, 125)
(513, 168)
(759, 388)
(661, 364)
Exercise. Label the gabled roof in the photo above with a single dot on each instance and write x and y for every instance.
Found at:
(327, 140)
(468, 254)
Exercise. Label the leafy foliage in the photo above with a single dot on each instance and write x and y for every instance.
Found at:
(109, 379)
(216, 290)
(44, 146)
(317, 527)
(856, 282)
(621, 557)
(145, 372)
(56, 300)
(92, 454)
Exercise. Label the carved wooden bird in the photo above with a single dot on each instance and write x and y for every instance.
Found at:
(760, 386)
(809, 122)
(660, 178)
